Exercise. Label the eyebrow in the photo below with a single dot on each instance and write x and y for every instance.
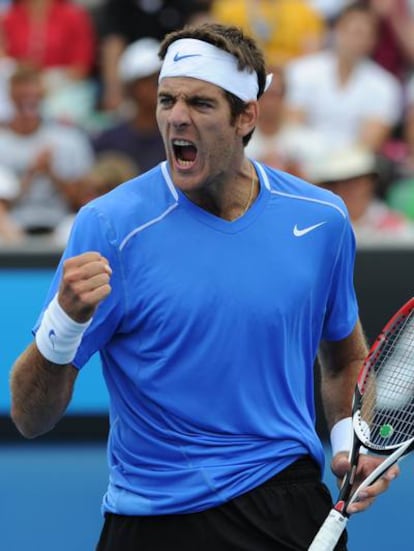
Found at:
(189, 97)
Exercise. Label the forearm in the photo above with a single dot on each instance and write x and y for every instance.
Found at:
(112, 48)
(43, 377)
(41, 392)
(337, 391)
(340, 365)
(373, 134)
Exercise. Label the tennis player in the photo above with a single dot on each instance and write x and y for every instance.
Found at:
(207, 286)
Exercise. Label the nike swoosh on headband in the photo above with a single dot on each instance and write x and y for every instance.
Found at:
(178, 57)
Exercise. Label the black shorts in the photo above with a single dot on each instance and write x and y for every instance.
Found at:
(282, 514)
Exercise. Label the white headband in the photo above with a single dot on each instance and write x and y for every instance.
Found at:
(189, 57)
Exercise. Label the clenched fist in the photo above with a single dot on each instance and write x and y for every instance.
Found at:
(85, 283)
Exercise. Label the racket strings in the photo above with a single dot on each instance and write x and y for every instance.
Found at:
(387, 405)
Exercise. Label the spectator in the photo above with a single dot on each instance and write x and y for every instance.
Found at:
(285, 146)
(398, 152)
(341, 93)
(408, 128)
(285, 29)
(7, 66)
(351, 173)
(10, 233)
(108, 171)
(44, 155)
(137, 136)
(58, 37)
(395, 46)
(400, 194)
(126, 21)
(400, 197)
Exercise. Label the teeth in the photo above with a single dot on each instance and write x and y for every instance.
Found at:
(185, 163)
(181, 142)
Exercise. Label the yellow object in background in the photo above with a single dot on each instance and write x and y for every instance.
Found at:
(285, 29)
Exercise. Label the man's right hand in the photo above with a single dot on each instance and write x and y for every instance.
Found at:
(84, 285)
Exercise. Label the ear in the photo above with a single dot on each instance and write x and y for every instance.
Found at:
(248, 118)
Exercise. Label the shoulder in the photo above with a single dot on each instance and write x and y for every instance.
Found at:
(141, 191)
(298, 193)
(70, 10)
(110, 135)
(378, 76)
(131, 207)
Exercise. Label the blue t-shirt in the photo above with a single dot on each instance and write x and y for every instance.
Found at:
(209, 336)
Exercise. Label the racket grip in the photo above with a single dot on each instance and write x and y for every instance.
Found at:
(330, 532)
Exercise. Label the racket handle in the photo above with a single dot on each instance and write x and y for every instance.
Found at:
(330, 532)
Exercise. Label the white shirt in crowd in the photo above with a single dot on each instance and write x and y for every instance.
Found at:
(336, 112)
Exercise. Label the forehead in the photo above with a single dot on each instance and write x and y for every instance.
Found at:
(357, 16)
(188, 86)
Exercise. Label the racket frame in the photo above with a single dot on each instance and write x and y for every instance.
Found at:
(335, 523)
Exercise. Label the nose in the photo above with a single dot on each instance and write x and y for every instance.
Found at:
(179, 114)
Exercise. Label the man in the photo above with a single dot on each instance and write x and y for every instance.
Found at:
(288, 147)
(340, 92)
(122, 22)
(137, 135)
(284, 29)
(187, 282)
(45, 155)
(352, 173)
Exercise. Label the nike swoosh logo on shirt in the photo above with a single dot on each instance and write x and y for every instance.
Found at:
(300, 232)
(179, 57)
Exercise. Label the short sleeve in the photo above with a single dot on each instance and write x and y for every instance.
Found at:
(342, 308)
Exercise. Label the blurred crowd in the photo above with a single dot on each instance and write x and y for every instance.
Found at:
(78, 82)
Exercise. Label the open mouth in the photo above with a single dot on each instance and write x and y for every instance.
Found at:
(185, 153)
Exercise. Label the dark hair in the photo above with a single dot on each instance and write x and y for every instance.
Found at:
(360, 6)
(233, 40)
(25, 72)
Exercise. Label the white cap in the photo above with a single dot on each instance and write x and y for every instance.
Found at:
(342, 164)
(9, 184)
(139, 60)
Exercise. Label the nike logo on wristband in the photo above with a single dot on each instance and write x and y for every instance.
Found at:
(52, 338)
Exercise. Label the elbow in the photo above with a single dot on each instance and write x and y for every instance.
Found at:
(26, 425)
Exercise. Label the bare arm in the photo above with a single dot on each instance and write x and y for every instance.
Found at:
(340, 365)
(41, 390)
(402, 22)
(374, 133)
(111, 50)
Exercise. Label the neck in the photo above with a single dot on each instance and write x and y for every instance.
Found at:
(37, 8)
(229, 201)
(345, 68)
(25, 125)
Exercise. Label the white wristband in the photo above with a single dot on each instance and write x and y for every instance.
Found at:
(59, 336)
(341, 436)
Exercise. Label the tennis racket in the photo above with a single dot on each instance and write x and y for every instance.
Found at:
(382, 415)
